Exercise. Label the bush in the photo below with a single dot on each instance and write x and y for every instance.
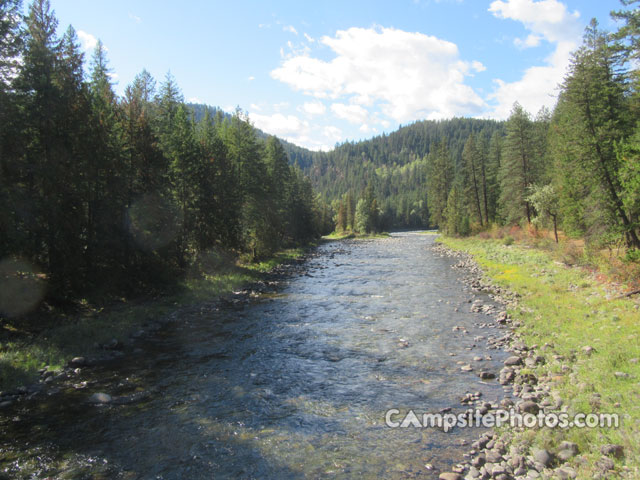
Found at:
(632, 256)
(508, 240)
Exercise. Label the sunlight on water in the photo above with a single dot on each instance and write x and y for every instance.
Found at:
(294, 384)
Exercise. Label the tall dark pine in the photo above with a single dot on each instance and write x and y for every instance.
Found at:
(51, 93)
(517, 166)
(593, 94)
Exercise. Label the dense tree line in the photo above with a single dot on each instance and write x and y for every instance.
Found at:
(395, 166)
(102, 191)
(576, 168)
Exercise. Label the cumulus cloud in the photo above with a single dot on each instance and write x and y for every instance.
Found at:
(409, 75)
(313, 108)
(547, 20)
(87, 41)
(298, 131)
(351, 113)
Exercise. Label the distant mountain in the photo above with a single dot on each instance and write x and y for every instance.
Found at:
(395, 164)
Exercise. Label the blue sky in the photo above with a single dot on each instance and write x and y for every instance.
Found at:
(321, 72)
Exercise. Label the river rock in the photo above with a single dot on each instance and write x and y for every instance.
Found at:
(78, 362)
(529, 406)
(506, 376)
(100, 398)
(513, 361)
(542, 457)
(506, 403)
(450, 476)
(565, 455)
(564, 473)
(588, 350)
(605, 464)
(487, 375)
(568, 446)
(611, 450)
(493, 457)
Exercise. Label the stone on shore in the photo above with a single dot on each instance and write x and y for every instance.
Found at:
(100, 398)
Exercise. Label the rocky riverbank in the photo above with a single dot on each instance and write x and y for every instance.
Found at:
(502, 455)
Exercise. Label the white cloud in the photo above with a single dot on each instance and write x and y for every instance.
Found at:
(351, 113)
(529, 42)
(478, 66)
(194, 100)
(278, 107)
(87, 41)
(277, 124)
(313, 108)
(410, 75)
(298, 131)
(547, 20)
(309, 38)
(251, 78)
(135, 18)
(290, 29)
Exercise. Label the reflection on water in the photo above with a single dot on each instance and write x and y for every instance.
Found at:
(294, 385)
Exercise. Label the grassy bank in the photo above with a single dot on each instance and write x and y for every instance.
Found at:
(28, 345)
(350, 235)
(570, 308)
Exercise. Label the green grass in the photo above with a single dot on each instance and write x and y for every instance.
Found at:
(353, 235)
(571, 308)
(62, 338)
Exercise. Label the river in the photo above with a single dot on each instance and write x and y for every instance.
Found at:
(294, 384)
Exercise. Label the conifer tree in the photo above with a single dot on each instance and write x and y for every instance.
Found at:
(517, 166)
(439, 181)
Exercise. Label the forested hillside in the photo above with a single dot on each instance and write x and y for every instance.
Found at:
(395, 166)
(122, 193)
(576, 169)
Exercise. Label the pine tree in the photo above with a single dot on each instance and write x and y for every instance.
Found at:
(11, 40)
(439, 181)
(492, 175)
(218, 209)
(246, 157)
(517, 166)
(51, 95)
(11, 193)
(474, 177)
(593, 111)
(105, 178)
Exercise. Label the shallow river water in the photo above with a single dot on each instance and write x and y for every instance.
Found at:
(294, 384)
